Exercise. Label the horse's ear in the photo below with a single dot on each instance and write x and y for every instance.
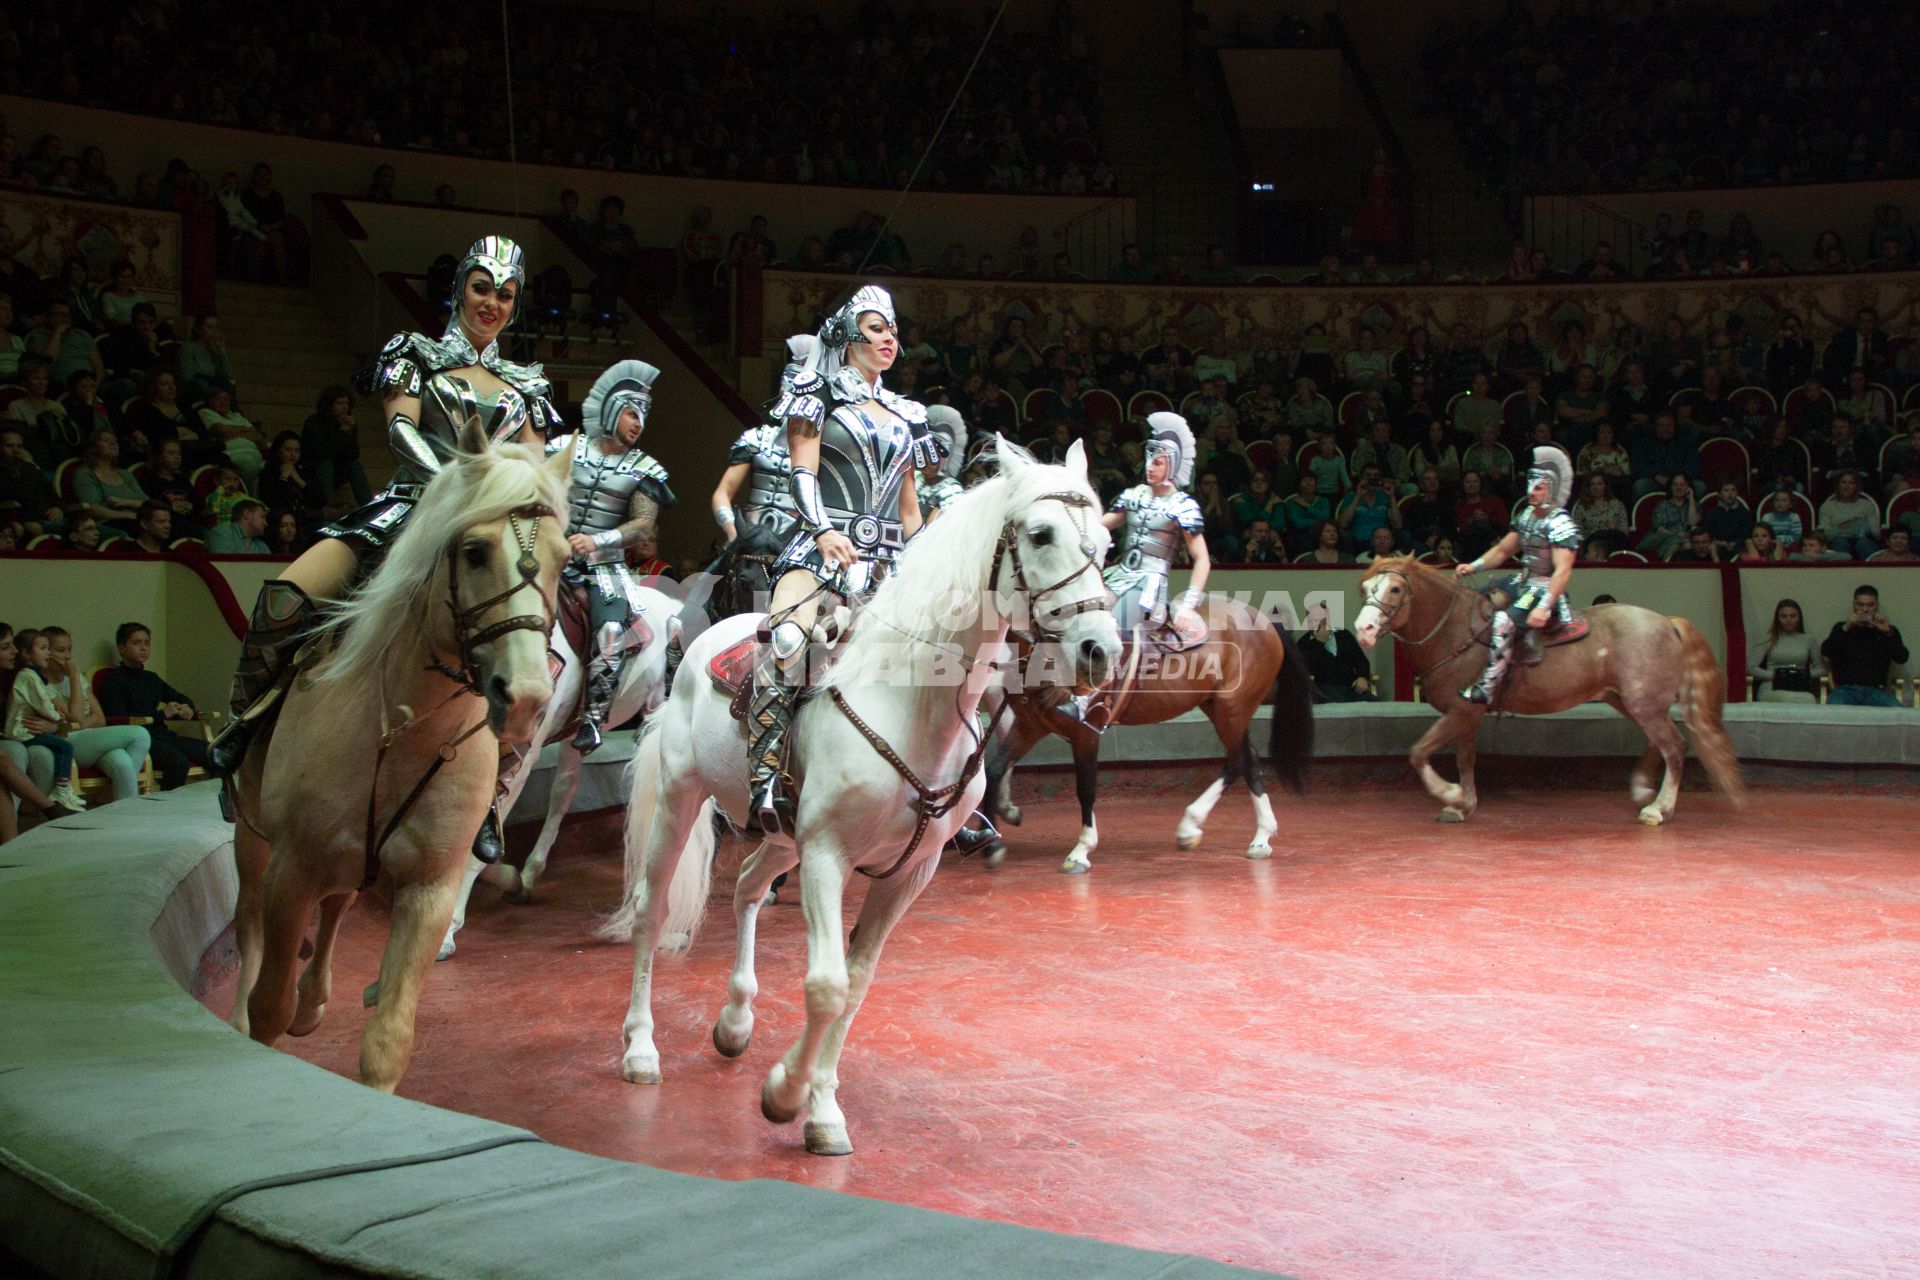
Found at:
(1076, 462)
(473, 436)
(560, 466)
(1011, 459)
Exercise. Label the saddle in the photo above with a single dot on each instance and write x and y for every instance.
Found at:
(571, 616)
(1534, 651)
(732, 670)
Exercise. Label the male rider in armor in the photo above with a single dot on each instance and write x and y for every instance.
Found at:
(759, 474)
(613, 503)
(1546, 540)
(855, 447)
(940, 481)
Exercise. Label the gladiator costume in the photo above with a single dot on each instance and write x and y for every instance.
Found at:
(938, 486)
(1541, 530)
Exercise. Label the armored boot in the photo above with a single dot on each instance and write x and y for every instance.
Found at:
(1487, 688)
(976, 836)
(283, 616)
(603, 677)
(490, 841)
(776, 690)
(1078, 707)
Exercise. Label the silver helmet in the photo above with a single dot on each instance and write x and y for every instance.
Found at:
(843, 326)
(1168, 433)
(627, 385)
(949, 431)
(499, 257)
(1550, 463)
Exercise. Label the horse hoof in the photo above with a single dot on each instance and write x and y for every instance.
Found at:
(1451, 815)
(1075, 866)
(446, 950)
(641, 1069)
(1651, 817)
(770, 1106)
(370, 996)
(1259, 852)
(519, 895)
(1185, 842)
(1642, 793)
(731, 1046)
(827, 1139)
(305, 1020)
(996, 853)
(1011, 814)
(1452, 796)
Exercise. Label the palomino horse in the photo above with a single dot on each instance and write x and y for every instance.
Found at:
(1635, 660)
(1243, 659)
(886, 755)
(386, 752)
(643, 683)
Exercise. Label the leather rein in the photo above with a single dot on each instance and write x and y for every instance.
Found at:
(931, 803)
(465, 677)
(1454, 596)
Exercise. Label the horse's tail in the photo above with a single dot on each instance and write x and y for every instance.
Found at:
(692, 875)
(1290, 736)
(1701, 698)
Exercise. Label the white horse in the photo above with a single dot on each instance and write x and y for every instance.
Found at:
(643, 685)
(907, 683)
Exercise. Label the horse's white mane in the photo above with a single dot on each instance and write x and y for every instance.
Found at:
(390, 616)
(952, 558)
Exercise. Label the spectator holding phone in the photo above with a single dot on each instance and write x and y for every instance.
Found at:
(1863, 651)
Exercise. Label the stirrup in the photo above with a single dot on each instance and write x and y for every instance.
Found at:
(589, 738)
(489, 845)
(970, 840)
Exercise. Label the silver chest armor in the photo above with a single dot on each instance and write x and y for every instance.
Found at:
(767, 497)
(1539, 535)
(937, 494)
(864, 460)
(600, 493)
(1157, 527)
(414, 364)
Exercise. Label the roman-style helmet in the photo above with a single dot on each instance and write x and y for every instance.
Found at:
(1550, 463)
(1168, 433)
(949, 432)
(627, 385)
(498, 256)
(843, 326)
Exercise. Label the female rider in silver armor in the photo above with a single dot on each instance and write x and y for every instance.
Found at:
(855, 447)
(429, 387)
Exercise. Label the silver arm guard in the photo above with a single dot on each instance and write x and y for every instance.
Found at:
(1191, 598)
(607, 538)
(806, 501)
(723, 515)
(404, 438)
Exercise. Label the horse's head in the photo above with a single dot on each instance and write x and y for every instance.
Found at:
(503, 570)
(1052, 547)
(1386, 594)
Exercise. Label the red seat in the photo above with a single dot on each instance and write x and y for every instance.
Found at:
(1349, 413)
(1797, 396)
(1628, 557)
(1905, 502)
(1643, 514)
(1723, 459)
(205, 480)
(64, 477)
(1035, 403)
(1263, 455)
(1742, 393)
(1146, 402)
(1103, 406)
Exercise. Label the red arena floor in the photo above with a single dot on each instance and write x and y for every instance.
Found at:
(1548, 1043)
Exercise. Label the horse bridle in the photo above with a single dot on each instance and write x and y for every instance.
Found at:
(1009, 553)
(1406, 594)
(466, 637)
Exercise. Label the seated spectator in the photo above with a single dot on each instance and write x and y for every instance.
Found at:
(1478, 408)
(1843, 450)
(1205, 408)
(1222, 530)
(1480, 517)
(17, 279)
(1436, 453)
(32, 718)
(1379, 546)
(1379, 450)
(1582, 406)
(1217, 364)
(1325, 548)
(83, 533)
(1863, 651)
(131, 352)
(1373, 408)
(1493, 460)
(1107, 466)
(1673, 518)
(1369, 507)
(1632, 400)
(1303, 512)
(119, 296)
(1903, 459)
(1784, 663)
(1258, 501)
(1814, 550)
(1812, 414)
(330, 448)
(1427, 517)
(85, 411)
(106, 491)
(1762, 547)
(117, 750)
(1308, 412)
(1663, 458)
(1782, 462)
(44, 423)
(135, 689)
(1598, 511)
(1261, 411)
(283, 534)
(1261, 545)
(25, 486)
(1728, 520)
(228, 493)
(1365, 366)
(75, 288)
(204, 362)
(1226, 457)
(244, 534)
(263, 249)
(1899, 548)
(12, 346)
(239, 438)
(1285, 471)
(1015, 359)
(1442, 552)
(1335, 660)
(153, 532)
(1329, 466)
(1851, 519)
(1518, 358)
(1699, 548)
(166, 481)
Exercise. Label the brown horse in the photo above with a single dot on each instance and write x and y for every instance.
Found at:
(1243, 659)
(1635, 660)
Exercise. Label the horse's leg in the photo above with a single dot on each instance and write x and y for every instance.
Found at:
(566, 785)
(675, 813)
(1453, 725)
(1465, 751)
(1086, 786)
(286, 906)
(1264, 823)
(1664, 737)
(420, 916)
(823, 882)
(734, 1027)
(1232, 736)
(316, 984)
(472, 871)
(250, 855)
(887, 901)
(1021, 738)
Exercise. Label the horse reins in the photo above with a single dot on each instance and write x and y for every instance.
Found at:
(465, 677)
(1406, 595)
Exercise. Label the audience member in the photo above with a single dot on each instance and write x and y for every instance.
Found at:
(1851, 519)
(330, 446)
(115, 750)
(153, 532)
(1899, 548)
(107, 492)
(1335, 660)
(1863, 651)
(33, 718)
(134, 689)
(66, 348)
(244, 534)
(1814, 550)
(25, 487)
(1785, 664)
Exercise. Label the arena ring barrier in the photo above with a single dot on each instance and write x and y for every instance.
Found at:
(141, 1137)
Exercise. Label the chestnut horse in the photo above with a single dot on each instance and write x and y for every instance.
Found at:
(1243, 659)
(1637, 661)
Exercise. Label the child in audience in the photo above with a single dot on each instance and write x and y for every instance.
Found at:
(33, 719)
(1780, 517)
(231, 492)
